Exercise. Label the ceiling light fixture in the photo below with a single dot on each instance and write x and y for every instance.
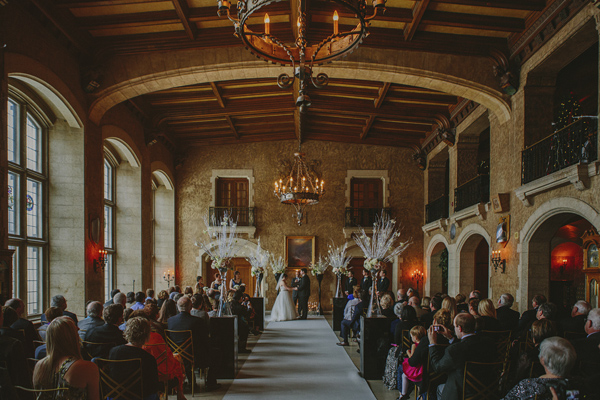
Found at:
(301, 55)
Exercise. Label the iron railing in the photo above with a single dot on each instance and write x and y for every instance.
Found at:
(364, 217)
(437, 209)
(573, 144)
(244, 216)
(475, 191)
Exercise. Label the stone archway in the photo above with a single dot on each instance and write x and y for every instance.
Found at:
(470, 265)
(433, 275)
(534, 271)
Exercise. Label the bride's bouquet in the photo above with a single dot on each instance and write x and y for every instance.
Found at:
(277, 264)
(319, 267)
(219, 244)
(338, 260)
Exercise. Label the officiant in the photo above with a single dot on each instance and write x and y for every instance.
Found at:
(295, 283)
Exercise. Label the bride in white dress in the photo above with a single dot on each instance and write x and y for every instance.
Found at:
(283, 309)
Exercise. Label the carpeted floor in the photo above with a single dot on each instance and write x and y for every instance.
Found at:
(298, 359)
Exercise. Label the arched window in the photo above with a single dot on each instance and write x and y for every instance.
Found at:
(27, 201)
(109, 224)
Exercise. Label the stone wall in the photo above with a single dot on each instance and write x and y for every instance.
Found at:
(274, 221)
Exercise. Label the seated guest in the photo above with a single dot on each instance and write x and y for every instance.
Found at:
(468, 346)
(434, 305)
(201, 343)
(410, 375)
(576, 323)
(508, 318)
(408, 319)
(150, 295)
(426, 303)
(349, 308)
(188, 291)
(137, 334)
(49, 315)
(241, 310)
(126, 314)
(557, 356)
(475, 294)
(120, 298)
(168, 310)
(63, 366)
(152, 312)
(474, 307)
(547, 310)
(162, 296)
(353, 323)
(410, 292)
(587, 348)
(401, 296)
(108, 334)
(487, 313)
(13, 356)
(140, 298)
(449, 303)
(415, 303)
(130, 298)
(112, 296)
(398, 307)
(198, 308)
(199, 286)
(60, 302)
(24, 324)
(175, 292)
(387, 306)
(10, 317)
(529, 316)
(461, 305)
(540, 330)
(93, 319)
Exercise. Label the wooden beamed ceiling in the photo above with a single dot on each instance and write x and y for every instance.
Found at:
(246, 111)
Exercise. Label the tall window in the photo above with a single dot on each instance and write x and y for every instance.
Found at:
(109, 226)
(366, 193)
(27, 202)
(232, 195)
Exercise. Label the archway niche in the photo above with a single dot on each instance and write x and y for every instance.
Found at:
(474, 265)
(437, 277)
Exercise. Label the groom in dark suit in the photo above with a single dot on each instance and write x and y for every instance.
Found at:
(303, 289)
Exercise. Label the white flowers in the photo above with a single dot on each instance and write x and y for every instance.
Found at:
(319, 267)
(219, 245)
(277, 264)
(338, 260)
(259, 260)
(382, 247)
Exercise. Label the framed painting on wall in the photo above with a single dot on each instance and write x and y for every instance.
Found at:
(299, 251)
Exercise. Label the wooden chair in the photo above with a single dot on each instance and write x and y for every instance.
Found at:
(127, 387)
(527, 343)
(406, 341)
(40, 393)
(536, 370)
(482, 381)
(85, 353)
(186, 350)
(431, 380)
(31, 363)
(503, 343)
(162, 359)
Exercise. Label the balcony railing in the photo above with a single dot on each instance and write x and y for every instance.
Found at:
(477, 190)
(437, 209)
(364, 217)
(243, 215)
(571, 145)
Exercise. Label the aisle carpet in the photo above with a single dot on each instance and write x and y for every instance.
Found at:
(299, 360)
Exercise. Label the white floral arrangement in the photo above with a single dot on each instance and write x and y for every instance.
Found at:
(259, 260)
(236, 287)
(219, 244)
(278, 264)
(384, 245)
(338, 259)
(319, 267)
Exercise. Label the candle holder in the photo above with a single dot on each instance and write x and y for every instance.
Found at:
(168, 277)
(100, 262)
(498, 262)
(417, 276)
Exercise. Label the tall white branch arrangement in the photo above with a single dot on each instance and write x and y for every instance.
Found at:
(383, 245)
(338, 259)
(259, 259)
(277, 264)
(219, 242)
(320, 266)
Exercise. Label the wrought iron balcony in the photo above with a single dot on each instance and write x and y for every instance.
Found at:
(243, 215)
(575, 143)
(364, 217)
(475, 191)
(436, 209)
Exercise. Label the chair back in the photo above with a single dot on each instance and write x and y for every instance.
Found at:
(431, 379)
(406, 341)
(181, 343)
(127, 386)
(39, 393)
(502, 339)
(86, 349)
(482, 381)
(159, 351)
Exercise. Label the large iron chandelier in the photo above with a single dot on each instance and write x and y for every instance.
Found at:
(300, 188)
(301, 55)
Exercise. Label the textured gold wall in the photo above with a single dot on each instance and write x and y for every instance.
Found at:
(274, 221)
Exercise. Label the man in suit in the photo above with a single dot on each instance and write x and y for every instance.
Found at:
(383, 284)
(587, 348)
(508, 318)
(93, 319)
(108, 334)
(529, 316)
(578, 318)
(434, 305)
(350, 283)
(303, 294)
(184, 321)
(60, 302)
(31, 333)
(466, 347)
(365, 283)
(112, 296)
(12, 356)
(295, 283)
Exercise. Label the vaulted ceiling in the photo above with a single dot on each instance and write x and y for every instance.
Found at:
(239, 111)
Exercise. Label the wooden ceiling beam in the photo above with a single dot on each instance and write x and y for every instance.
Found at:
(235, 132)
(80, 4)
(418, 11)
(473, 21)
(217, 93)
(367, 127)
(219, 141)
(382, 93)
(183, 11)
(525, 5)
(392, 14)
(128, 20)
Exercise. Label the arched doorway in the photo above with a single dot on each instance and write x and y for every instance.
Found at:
(438, 269)
(474, 250)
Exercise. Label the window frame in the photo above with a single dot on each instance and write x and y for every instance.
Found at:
(111, 251)
(21, 240)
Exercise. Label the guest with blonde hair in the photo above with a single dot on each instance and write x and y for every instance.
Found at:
(449, 303)
(63, 366)
(487, 320)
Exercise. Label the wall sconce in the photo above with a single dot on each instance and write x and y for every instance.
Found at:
(498, 262)
(100, 262)
(563, 267)
(169, 277)
(417, 276)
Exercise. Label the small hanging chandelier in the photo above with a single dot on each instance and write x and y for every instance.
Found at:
(300, 188)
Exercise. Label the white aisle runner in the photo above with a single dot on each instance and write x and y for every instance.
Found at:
(299, 359)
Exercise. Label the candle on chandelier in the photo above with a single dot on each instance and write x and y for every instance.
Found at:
(267, 24)
(336, 18)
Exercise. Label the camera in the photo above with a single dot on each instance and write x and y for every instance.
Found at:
(437, 328)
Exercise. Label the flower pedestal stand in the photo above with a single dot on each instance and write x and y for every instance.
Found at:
(373, 309)
(320, 280)
(338, 290)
